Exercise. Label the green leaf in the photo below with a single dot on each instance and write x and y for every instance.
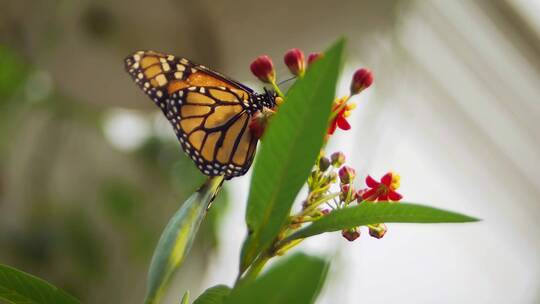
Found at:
(213, 295)
(20, 287)
(297, 280)
(290, 147)
(177, 238)
(381, 212)
(185, 298)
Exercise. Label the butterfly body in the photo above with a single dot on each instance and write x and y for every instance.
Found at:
(210, 113)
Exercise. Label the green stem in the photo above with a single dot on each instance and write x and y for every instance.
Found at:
(287, 246)
(278, 91)
(318, 202)
(254, 269)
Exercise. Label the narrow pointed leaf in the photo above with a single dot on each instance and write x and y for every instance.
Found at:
(177, 238)
(20, 287)
(290, 147)
(381, 212)
(185, 298)
(297, 280)
(213, 295)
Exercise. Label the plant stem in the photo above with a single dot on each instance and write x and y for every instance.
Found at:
(278, 91)
(287, 246)
(318, 202)
(254, 269)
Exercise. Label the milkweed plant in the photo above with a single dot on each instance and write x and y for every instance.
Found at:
(293, 155)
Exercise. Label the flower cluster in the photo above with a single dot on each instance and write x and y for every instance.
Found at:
(321, 200)
(330, 173)
(263, 67)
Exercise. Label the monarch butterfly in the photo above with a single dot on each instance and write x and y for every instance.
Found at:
(210, 112)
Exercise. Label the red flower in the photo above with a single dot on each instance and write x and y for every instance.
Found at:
(263, 68)
(340, 112)
(313, 56)
(362, 79)
(294, 59)
(383, 190)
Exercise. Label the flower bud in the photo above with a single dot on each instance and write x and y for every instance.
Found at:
(337, 159)
(348, 194)
(256, 127)
(313, 56)
(325, 211)
(350, 234)
(294, 59)
(346, 174)
(324, 163)
(377, 231)
(361, 80)
(315, 174)
(359, 195)
(332, 177)
(259, 121)
(263, 68)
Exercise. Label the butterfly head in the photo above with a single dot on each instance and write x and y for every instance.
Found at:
(268, 99)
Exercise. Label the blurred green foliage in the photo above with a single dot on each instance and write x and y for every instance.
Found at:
(12, 74)
(74, 209)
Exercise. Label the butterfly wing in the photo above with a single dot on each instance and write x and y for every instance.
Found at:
(212, 125)
(209, 112)
(159, 75)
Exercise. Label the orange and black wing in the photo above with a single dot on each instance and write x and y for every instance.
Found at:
(209, 112)
(160, 75)
(212, 125)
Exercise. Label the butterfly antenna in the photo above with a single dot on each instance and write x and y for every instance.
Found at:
(286, 80)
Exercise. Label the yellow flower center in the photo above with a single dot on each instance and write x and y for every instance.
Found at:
(395, 181)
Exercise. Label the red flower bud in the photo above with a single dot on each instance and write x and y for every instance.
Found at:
(360, 194)
(312, 57)
(324, 163)
(258, 123)
(344, 195)
(263, 68)
(377, 231)
(361, 80)
(346, 174)
(294, 59)
(338, 159)
(350, 234)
